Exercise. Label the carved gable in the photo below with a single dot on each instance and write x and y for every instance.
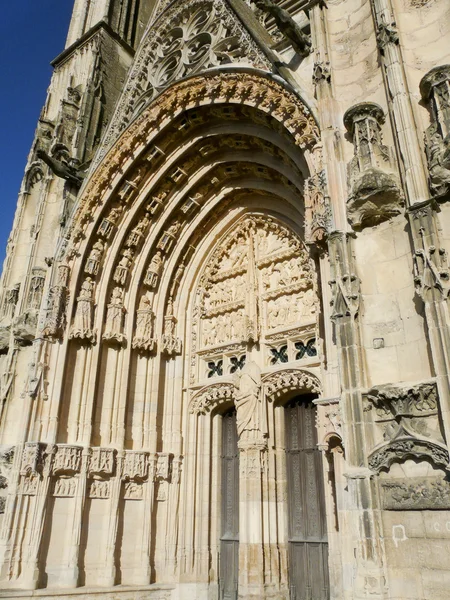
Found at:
(188, 38)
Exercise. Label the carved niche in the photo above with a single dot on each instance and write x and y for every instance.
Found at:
(375, 192)
(435, 91)
(406, 425)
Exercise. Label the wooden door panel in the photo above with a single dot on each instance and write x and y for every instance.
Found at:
(229, 540)
(308, 547)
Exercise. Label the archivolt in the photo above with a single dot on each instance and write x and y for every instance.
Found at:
(252, 89)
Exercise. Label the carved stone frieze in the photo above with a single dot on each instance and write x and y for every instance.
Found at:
(288, 380)
(65, 487)
(67, 460)
(136, 465)
(102, 461)
(375, 191)
(99, 489)
(420, 493)
(435, 91)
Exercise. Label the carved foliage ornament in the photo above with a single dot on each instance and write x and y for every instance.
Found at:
(281, 382)
(208, 398)
(255, 90)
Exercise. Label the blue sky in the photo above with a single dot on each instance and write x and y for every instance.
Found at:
(32, 33)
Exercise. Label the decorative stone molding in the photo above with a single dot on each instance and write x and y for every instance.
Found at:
(408, 419)
(435, 91)
(421, 493)
(401, 450)
(375, 192)
(277, 384)
(212, 396)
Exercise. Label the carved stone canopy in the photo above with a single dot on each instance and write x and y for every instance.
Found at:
(434, 77)
(361, 112)
(375, 193)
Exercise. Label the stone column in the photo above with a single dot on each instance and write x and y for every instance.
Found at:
(108, 577)
(70, 579)
(44, 460)
(363, 562)
(414, 173)
(252, 464)
(329, 111)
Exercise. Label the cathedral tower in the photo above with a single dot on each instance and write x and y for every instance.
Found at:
(224, 329)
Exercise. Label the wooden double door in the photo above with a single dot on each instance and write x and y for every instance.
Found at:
(307, 534)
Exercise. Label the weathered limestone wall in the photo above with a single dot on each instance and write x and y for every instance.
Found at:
(230, 220)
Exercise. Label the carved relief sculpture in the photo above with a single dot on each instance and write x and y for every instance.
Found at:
(375, 194)
(435, 90)
(250, 406)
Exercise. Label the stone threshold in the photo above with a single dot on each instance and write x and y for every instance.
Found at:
(125, 592)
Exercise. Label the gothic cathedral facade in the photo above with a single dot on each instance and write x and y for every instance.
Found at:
(224, 309)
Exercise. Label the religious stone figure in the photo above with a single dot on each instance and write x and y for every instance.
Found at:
(143, 339)
(114, 317)
(108, 223)
(154, 270)
(82, 324)
(122, 269)
(251, 413)
(95, 258)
